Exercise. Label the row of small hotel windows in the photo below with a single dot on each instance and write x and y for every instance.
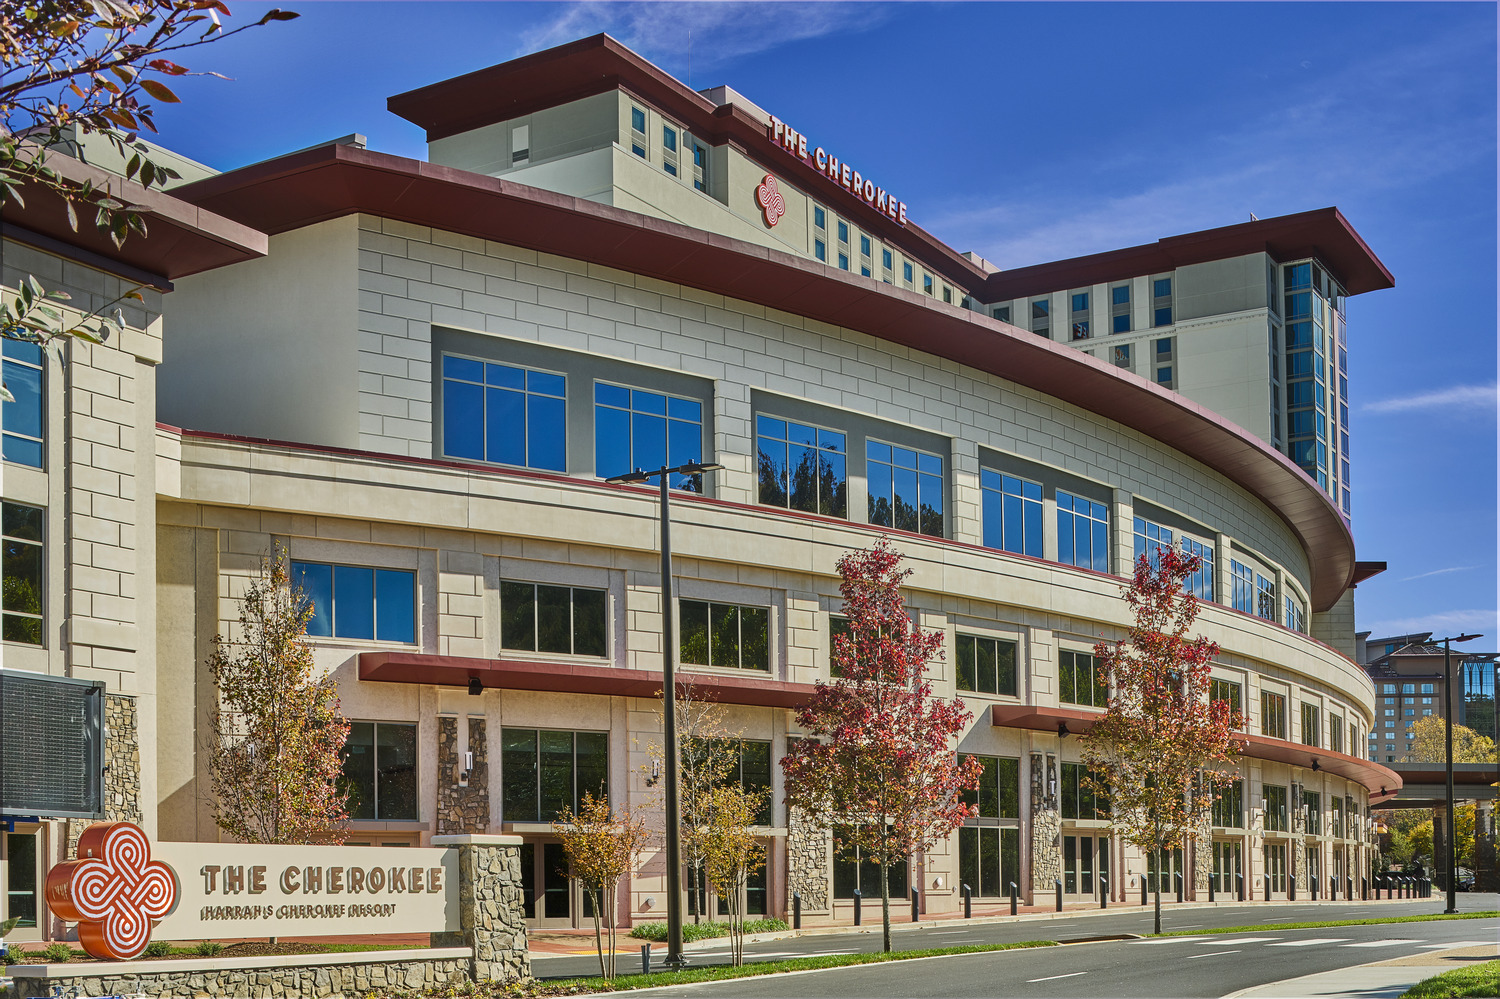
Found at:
(669, 148)
(845, 248)
(1273, 718)
(1080, 313)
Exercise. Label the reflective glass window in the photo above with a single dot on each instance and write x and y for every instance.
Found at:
(725, 635)
(986, 665)
(636, 429)
(504, 414)
(545, 772)
(24, 566)
(562, 620)
(1012, 511)
(354, 601)
(906, 488)
(380, 771)
(801, 467)
(1082, 532)
(23, 418)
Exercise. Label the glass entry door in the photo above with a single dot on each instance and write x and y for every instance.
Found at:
(989, 860)
(546, 889)
(1162, 868)
(23, 855)
(1227, 868)
(1085, 858)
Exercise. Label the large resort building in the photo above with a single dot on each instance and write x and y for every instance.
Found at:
(420, 382)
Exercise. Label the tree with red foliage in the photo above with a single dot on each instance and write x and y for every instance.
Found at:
(1162, 744)
(881, 763)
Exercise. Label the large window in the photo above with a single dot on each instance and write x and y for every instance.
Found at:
(750, 769)
(1225, 690)
(1295, 618)
(999, 793)
(1275, 854)
(906, 488)
(989, 859)
(380, 770)
(1242, 595)
(1228, 809)
(724, 635)
(1012, 513)
(1273, 715)
(635, 429)
(355, 601)
(23, 419)
(503, 413)
(852, 870)
(986, 665)
(1082, 532)
(801, 467)
(1311, 715)
(1312, 813)
(1275, 807)
(1079, 801)
(23, 573)
(543, 772)
(1150, 540)
(1265, 597)
(563, 620)
(1201, 583)
(1080, 680)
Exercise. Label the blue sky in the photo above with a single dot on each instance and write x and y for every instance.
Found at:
(1030, 132)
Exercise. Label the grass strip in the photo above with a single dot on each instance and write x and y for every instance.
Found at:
(1259, 927)
(1460, 983)
(657, 932)
(534, 989)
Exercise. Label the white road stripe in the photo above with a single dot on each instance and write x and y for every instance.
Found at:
(1382, 943)
(1236, 940)
(1217, 953)
(1315, 941)
(1167, 940)
(1458, 943)
(1053, 978)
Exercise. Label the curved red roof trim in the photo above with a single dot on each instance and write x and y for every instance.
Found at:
(335, 181)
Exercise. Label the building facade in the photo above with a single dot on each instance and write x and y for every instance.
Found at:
(422, 386)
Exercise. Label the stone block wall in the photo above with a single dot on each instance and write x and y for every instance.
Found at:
(462, 809)
(122, 773)
(1046, 827)
(491, 912)
(807, 864)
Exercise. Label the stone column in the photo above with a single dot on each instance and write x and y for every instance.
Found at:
(806, 864)
(462, 809)
(491, 916)
(1046, 827)
(1297, 846)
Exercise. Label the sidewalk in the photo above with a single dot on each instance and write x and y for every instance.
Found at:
(1380, 980)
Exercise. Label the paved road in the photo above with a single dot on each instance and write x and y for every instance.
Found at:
(1207, 966)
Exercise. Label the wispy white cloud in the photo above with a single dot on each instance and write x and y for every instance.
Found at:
(1454, 397)
(1437, 572)
(721, 32)
(1442, 623)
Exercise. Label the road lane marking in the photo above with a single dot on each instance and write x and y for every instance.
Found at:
(1382, 943)
(1236, 940)
(1309, 943)
(1456, 943)
(1217, 953)
(1167, 940)
(1054, 978)
(949, 933)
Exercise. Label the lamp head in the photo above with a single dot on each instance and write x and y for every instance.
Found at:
(1062, 730)
(476, 686)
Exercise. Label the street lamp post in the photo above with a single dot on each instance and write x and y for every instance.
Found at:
(1449, 824)
(674, 959)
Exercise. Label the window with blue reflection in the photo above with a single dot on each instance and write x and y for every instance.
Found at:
(1162, 317)
(1081, 302)
(1119, 295)
(1082, 532)
(1265, 597)
(820, 250)
(504, 414)
(801, 467)
(843, 231)
(649, 430)
(1242, 579)
(352, 601)
(1120, 324)
(1150, 539)
(906, 488)
(23, 418)
(1201, 583)
(819, 218)
(1012, 509)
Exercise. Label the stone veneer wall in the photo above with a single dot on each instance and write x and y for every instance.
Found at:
(122, 773)
(1046, 827)
(807, 864)
(462, 809)
(311, 980)
(1203, 858)
(491, 913)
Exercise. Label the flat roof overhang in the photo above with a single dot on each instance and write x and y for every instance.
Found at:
(338, 180)
(1425, 785)
(181, 238)
(1382, 782)
(573, 678)
(1323, 233)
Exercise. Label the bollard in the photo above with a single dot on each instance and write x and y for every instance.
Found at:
(1268, 886)
(645, 959)
(858, 898)
(1364, 889)
(1241, 879)
(968, 902)
(1291, 887)
(1312, 889)
(1179, 887)
(1012, 898)
(1349, 894)
(1143, 889)
(914, 905)
(796, 910)
(1103, 892)
(1212, 878)
(1059, 894)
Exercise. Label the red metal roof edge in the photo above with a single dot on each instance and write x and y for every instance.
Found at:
(421, 193)
(555, 676)
(1376, 778)
(1312, 231)
(1365, 570)
(574, 74)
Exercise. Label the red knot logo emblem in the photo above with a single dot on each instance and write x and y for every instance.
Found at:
(114, 891)
(768, 196)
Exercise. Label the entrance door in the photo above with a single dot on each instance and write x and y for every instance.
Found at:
(546, 889)
(1227, 868)
(1314, 872)
(23, 858)
(1083, 856)
(1162, 868)
(989, 860)
(1275, 861)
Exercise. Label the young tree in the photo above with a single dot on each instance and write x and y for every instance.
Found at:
(1162, 744)
(731, 853)
(1429, 742)
(881, 762)
(89, 66)
(277, 753)
(601, 847)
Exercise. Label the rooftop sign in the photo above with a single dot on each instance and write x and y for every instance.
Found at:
(841, 174)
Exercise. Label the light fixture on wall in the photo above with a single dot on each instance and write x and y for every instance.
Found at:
(1315, 766)
(655, 774)
(476, 686)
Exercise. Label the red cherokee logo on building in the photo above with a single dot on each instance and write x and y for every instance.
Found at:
(113, 891)
(768, 196)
